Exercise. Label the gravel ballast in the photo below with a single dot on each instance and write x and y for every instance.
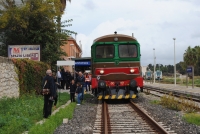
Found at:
(85, 114)
(83, 119)
(170, 118)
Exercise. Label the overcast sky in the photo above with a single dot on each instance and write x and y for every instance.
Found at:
(154, 23)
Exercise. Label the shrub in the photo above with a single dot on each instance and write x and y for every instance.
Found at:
(30, 75)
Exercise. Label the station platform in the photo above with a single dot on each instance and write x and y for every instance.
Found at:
(171, 87)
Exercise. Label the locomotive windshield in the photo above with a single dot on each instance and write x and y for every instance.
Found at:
(158, 73)
(127, 51)
(148, 74)
(105, 51)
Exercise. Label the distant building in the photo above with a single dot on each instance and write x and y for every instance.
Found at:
(144, 69)
(82, 64)
(72, 49)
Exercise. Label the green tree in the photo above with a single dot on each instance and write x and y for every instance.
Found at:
(197, 66)
(34, 22)
(180, 67)
(191, 56)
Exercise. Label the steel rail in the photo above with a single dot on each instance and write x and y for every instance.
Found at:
(105, 117)
(148, 119)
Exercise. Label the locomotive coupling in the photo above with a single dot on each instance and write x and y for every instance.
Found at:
(138, 89)
(133, 83)
(101, 84)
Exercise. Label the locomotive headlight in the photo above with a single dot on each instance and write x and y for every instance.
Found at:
(101, 71)
(132, 71)
(115, 39)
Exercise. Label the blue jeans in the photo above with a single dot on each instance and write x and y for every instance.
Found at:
(87, 84)
(82, 92)
(79, 97)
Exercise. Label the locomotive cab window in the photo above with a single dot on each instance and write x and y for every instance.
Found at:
(127, 51)
(105, 51)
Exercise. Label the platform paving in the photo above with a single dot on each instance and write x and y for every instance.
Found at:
(172, 87)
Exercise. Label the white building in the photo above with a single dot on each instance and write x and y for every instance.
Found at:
(144, 69)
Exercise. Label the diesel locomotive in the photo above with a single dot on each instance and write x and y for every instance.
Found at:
(116, 70)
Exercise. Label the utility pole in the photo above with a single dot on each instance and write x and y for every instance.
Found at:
(174, 63)
(154, 66)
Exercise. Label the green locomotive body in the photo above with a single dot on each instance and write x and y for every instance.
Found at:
(116, 71)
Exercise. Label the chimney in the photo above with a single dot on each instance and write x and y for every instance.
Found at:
(75, 36)
(132, 35)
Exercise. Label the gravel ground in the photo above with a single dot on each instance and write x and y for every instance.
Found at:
(83, 119)
(171, 118)
(85, 114)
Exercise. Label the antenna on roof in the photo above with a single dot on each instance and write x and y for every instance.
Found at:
(115, 32)
(80, 45)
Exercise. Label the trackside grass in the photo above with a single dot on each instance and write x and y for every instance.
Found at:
(179, 103)
(170, 80)
(183, 104)
(155, 102)
(49, 126)
(193, 118)
(20, 114)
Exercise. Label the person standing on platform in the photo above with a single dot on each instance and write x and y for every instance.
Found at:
(68, 78)
(48, 84)
(81, 80)
(87, 81)
(79, 91)
(72, 90)
(63, 77)
(59, 76)
(56, 87)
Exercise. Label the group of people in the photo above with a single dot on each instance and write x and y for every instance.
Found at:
(75, 82)
(64, 77)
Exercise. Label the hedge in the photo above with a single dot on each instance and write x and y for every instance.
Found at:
(30, 74)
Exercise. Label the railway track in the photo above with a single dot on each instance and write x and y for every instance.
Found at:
(187, 95)
(160, 93)
(125, 118)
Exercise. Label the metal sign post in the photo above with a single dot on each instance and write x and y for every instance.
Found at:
(190, 70)
(192, 76)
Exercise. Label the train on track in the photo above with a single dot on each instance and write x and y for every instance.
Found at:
(158, 75)
(116, 70)
(148, 75)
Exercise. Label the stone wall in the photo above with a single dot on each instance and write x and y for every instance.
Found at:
(9, 86)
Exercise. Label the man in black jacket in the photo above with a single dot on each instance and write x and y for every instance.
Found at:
(48, 83)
